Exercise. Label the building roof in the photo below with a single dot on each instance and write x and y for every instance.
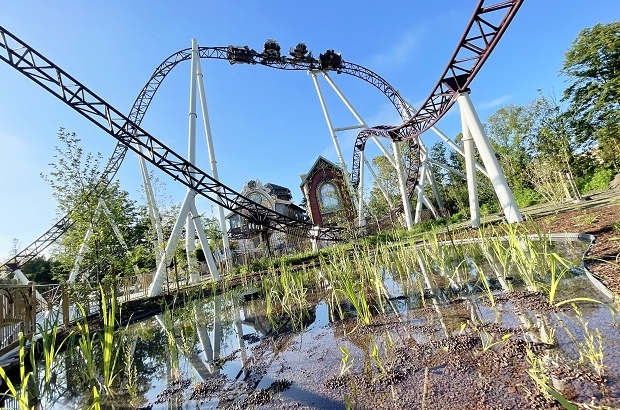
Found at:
(279, 191)
(320, 163)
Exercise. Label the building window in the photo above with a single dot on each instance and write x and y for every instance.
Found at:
(329, 198)
(260, 199)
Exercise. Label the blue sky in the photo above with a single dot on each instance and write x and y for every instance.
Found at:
(267, 124)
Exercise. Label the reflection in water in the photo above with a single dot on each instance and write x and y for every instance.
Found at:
(219, 349)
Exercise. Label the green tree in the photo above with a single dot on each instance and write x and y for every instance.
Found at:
(75, 180)
(510, 129)
(452, 187)
(39, 270)
(553, 147)
(388, 179)
(592, 65)
(213, 232)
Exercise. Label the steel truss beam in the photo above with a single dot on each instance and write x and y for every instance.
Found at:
(482, 34)
(479, 39)
(142, 102)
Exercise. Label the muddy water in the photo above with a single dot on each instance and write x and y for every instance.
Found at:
(448, 346)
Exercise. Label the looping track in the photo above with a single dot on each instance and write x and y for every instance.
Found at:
(479, 39)
(485, 28)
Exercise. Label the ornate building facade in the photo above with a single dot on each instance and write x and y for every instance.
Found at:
(328, 202)
(253, 238)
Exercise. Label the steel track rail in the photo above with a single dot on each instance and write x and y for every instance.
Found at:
(144, 99)
(486, 26)
(42, 71)
(476, 44)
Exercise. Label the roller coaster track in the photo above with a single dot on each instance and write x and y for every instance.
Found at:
(485, 28)
(127, 131)
(144, 99)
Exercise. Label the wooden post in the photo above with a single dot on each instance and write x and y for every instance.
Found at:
(176, 272)
(145, 286)
(65, 306)
(32, 310)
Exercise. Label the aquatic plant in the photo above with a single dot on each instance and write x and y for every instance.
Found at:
(346, 362)
(168, 327)
(374, 354)
(86, 343)
(554, 258)
(487, 340)
(523, 256)
(338, 269)
(49, 332)
(106, 339)
(538, 373)
(285, 291)
(22, 397)
(96, 400)
(591, 347)
(357, 297)
(485, 282)
(131, 373)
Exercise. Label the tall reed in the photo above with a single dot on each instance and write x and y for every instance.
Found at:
(22, 397)
(109, 351)
(49, 333)
(86, 343)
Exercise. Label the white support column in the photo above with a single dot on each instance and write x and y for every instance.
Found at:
(240, 341)
(80, 255)
(427, 202)
(343, 165)
(360, 195)
(217, 326)
(173, 241)
(204, 242)
(357, 116)
(362, 124)
(447, 168)
(448, 141)
(433, 182)
(190, 230)
(503, 191)
(455, 147)
(205, 341)
(190, 249)
(395, 160)
(402, 185)
(421, 184)
(470, 172)
(314, 238)
(152, 207)
(212, 160)
(380, 186)
(328, 119)
(19, 275)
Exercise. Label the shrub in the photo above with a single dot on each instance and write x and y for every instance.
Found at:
(526, 197)
(599, 181)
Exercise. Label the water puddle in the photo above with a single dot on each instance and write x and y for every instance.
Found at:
(443, 329)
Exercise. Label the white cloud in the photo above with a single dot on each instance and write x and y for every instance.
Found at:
(497, 102)
(400, 52)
